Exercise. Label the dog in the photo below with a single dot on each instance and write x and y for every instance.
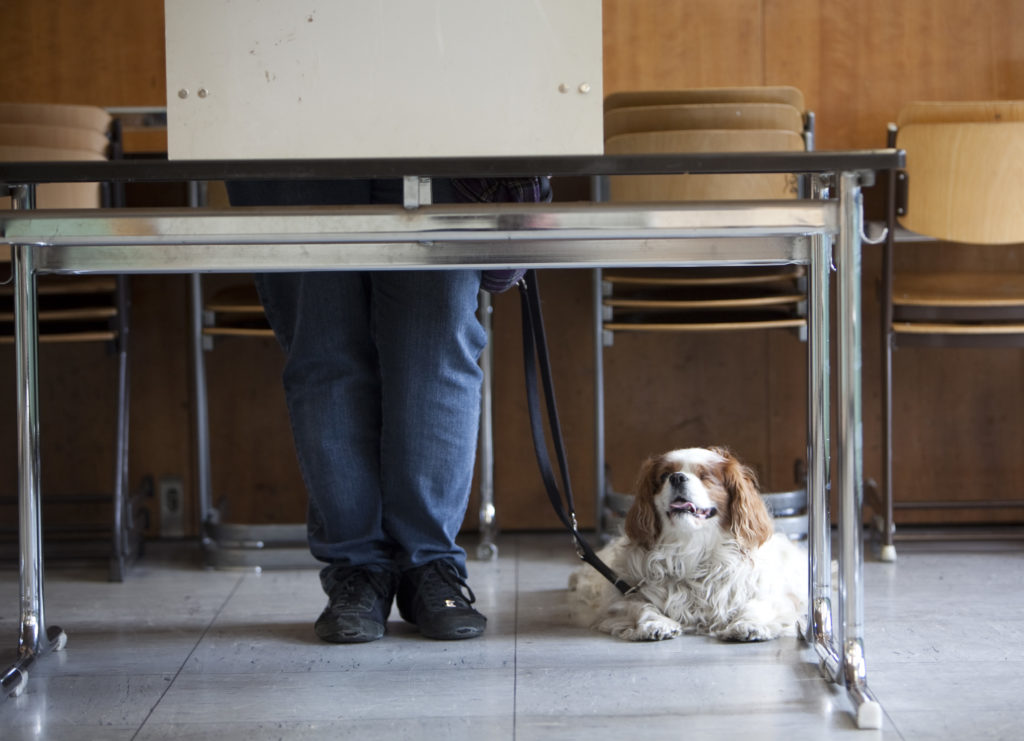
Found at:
(699, 547)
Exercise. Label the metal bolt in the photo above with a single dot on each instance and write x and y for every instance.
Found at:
(584, 87)
(563, 88)
(203, 92)
(183, 93)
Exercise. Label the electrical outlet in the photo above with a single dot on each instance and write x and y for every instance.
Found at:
(171, 493)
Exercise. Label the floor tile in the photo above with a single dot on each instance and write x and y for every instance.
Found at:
(357, 694)
(177, 651)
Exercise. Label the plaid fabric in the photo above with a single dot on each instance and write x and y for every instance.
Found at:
(501, 190)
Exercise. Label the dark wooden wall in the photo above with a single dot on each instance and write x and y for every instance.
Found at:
(960, 423)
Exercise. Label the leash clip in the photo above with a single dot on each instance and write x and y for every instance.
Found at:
(576, 538)
(635, 589)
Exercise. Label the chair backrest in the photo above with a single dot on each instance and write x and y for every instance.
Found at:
(961, 112)
(680, 116)
(965, 179)
(60, 137)
(50, 132)
(704, 187)
(55, 195)
(755, 94)
(56, 114)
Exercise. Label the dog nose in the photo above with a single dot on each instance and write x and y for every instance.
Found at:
(678, 480)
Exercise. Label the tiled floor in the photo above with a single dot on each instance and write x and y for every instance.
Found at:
(180, 652)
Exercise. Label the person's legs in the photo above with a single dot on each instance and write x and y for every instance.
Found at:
(383, 388)
(429, 341)
(332, 389)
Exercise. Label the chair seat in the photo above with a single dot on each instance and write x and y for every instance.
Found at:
(235, 311)
(696, 300)
(959, 290)
(697, 278)
(236, 299)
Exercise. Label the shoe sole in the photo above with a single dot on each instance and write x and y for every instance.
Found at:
(350, 635)
(455, 634)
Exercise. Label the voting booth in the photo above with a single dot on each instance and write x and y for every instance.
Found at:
(403, 78)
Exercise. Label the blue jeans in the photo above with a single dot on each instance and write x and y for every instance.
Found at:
(382, 383)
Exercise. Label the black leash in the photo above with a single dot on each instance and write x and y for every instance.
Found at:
(535, 350)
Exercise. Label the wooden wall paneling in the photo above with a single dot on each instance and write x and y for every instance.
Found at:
(668, 391)
(664, 44)
(161, 390)
(792, 47)
(878, 55)
(100, 52)
(78, 403)
(254, 467)
(785, 367)
(519, 492)
(958, 430)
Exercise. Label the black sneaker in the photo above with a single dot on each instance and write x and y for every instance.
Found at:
(432, 598)
(359, 601)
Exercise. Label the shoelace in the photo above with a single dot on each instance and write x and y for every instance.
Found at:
(351, 583)
(447, 582)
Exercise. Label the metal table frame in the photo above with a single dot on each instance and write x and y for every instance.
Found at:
(824, 234)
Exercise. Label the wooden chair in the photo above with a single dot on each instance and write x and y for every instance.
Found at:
(55, 195)
(74, 309)
(704, 187)
(87, 117)
(784, 94)
(701, 300)
(965, 184)
(702, 116)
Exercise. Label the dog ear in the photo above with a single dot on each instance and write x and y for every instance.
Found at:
(642, 525)
(749, 519)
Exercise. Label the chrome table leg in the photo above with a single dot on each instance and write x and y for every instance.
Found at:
(851, 448)
(35, 639)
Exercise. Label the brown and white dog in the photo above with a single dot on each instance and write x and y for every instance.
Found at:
(700, 547)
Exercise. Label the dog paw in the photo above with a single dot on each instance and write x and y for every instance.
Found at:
(748, 632)
(657, 629)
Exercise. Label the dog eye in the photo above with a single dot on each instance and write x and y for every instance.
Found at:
(664, 477)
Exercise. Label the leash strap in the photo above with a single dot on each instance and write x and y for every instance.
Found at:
(535, 352)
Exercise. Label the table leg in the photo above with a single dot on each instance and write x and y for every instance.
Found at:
(35, 639)
(851, 470)
(818, 631)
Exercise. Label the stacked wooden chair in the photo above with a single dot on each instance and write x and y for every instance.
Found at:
(963, 183)
(77, 309)
(692, 300)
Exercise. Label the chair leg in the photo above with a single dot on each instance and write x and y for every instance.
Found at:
(487, 548)
(123, 525)
(888, 550)
(601, 528)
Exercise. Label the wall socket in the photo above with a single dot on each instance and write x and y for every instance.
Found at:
(171, 493)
